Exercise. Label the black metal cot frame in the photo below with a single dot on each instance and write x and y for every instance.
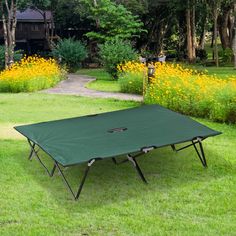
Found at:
(129, 157)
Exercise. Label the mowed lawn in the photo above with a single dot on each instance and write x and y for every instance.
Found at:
(182, 198)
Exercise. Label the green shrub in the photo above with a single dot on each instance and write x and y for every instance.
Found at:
(70, 52)
(201, 54)
(224, 107)
(131, 83)
(226, 55)
(17, 56)
(115, 52)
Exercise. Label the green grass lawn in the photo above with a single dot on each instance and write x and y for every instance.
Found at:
(104, 82)
(104, 85)
(99, 74)
(182, 198)
(221, 72)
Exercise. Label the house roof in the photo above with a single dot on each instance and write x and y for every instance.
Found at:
(32, 15)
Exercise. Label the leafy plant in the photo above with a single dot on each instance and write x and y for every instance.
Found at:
(201, 54)
(113, 20)
(17, 56)
(115, 52)
(70, 52)
(226, 55)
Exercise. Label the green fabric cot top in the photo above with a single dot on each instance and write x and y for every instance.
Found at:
(76, 140)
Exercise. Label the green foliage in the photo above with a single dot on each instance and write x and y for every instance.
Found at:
(131, 83)
(115, 52)
(113, 20)
(70, 52)
(226, 55)
(17, 56)
(201, 54)
(224, 108)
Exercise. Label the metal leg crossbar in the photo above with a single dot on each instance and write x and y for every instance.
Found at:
(134, 162)
(33, 153)
(76, 195)
(131, 158)
(200, 153)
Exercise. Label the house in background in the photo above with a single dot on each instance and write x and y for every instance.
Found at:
(31, 30)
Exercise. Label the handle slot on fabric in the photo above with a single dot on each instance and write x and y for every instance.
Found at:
(115, 130)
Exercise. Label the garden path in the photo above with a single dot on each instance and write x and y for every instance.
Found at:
(75, 85)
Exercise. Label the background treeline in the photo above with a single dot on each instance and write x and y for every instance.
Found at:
(180, 28)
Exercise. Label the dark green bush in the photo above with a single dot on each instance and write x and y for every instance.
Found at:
(226, 55)
(201, 54)
(115, 52)
(17, 56)
(70, 52)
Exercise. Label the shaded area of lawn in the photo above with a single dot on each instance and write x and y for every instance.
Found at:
(99, 74)
(181, 198)
(104, 82)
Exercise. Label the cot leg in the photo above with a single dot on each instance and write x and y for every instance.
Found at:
(33, 152)
(200, 154)
(134, 162)
(194, 143)
(77, 194)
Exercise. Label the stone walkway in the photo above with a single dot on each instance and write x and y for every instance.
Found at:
(75, 85)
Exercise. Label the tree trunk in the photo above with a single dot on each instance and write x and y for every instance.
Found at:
(203, 35)
(193, 30)
(13, 32)
(5, 40)
(189, 34)
(215, 16)
(234, 37)
(8, 9)
(203, 31)
(223, 21)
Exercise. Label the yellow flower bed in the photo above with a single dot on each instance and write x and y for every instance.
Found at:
(189, 91)
(30, 74)
(130, 77)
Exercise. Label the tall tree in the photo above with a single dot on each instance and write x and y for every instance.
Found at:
(225, 23)
(190, 25)
(8, 10)
(215, 7)
(234, 37)
(113, 20)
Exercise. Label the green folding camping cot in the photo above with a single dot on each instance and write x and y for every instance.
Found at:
(131, 132)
